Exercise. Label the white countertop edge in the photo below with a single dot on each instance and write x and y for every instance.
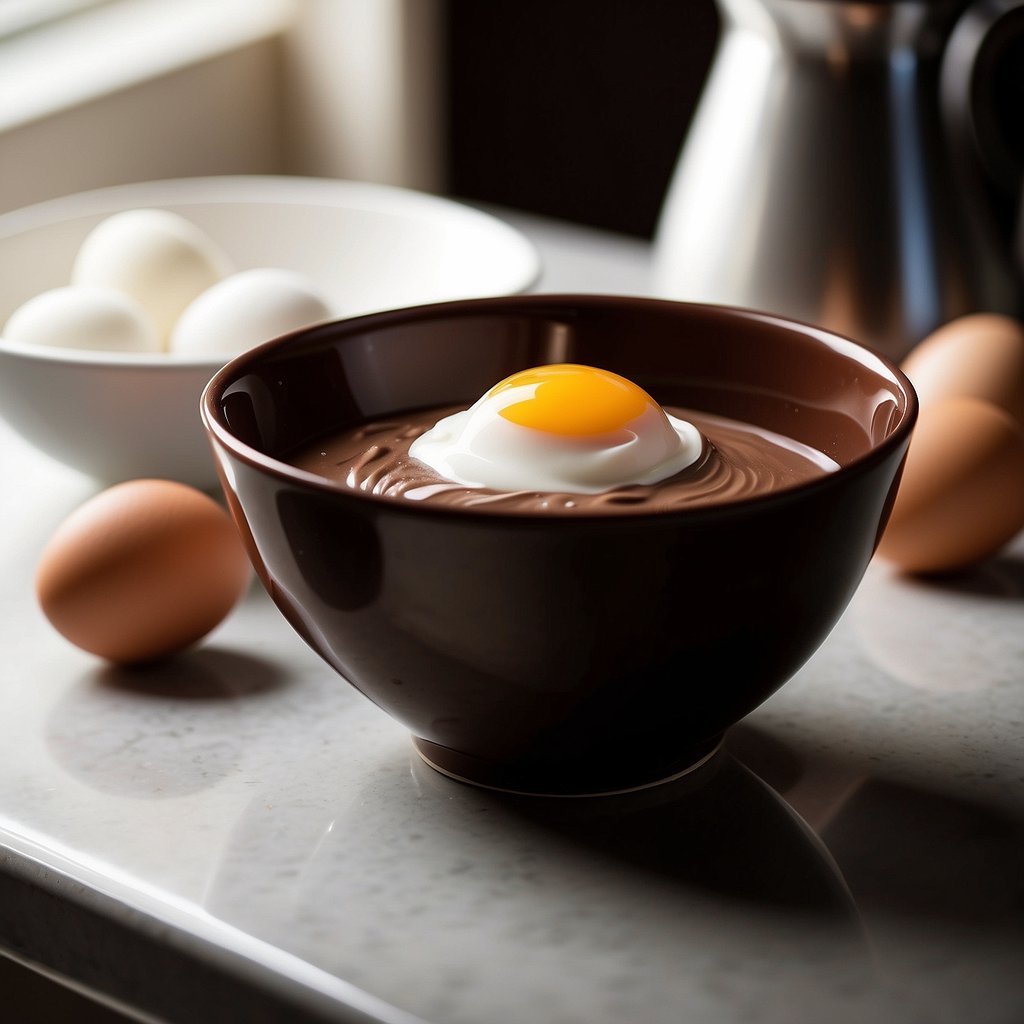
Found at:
(215, 942)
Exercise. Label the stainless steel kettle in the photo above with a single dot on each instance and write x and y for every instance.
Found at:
(853, 164)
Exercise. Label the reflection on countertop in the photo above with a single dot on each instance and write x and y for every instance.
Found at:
(161, 730)
(456, 901)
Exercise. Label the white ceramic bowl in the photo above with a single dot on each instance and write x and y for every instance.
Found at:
(368, 247)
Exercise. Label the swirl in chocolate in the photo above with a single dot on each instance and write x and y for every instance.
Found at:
(738, 460)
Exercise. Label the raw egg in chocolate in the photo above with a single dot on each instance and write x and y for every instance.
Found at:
(561, 427)
(141, 570)
(961, 497)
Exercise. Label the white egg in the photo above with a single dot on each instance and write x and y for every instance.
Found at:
(159, 258)
(84, 317)
(246, 309)
(562, 427)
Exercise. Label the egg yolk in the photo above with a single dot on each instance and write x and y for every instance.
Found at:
(570, 400)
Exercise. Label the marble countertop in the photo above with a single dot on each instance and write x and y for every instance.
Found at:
(238, 836)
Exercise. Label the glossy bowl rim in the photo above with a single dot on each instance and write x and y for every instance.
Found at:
(219, 433)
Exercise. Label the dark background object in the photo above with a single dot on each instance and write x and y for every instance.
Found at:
(573, 108)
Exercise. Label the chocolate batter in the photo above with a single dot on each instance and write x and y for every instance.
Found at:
(739, 460)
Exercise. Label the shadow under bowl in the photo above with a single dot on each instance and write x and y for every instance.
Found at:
(562, 654)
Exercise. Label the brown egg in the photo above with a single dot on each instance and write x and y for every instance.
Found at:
(980, 355)
(141, 570)
(961, 497)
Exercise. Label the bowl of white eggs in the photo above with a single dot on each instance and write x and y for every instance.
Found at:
(118, 305)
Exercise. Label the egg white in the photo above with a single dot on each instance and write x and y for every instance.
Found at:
(478, 447)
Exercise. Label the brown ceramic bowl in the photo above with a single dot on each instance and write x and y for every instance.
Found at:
(561, 654)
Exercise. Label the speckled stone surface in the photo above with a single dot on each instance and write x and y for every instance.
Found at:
(238, 829)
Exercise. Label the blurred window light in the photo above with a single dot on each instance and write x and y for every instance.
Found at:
(23, 15)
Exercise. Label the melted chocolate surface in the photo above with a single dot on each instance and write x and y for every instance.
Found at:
(739, 460)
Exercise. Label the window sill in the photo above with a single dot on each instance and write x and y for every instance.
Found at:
(113, 47)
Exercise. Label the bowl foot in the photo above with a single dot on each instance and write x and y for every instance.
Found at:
(532, 781)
